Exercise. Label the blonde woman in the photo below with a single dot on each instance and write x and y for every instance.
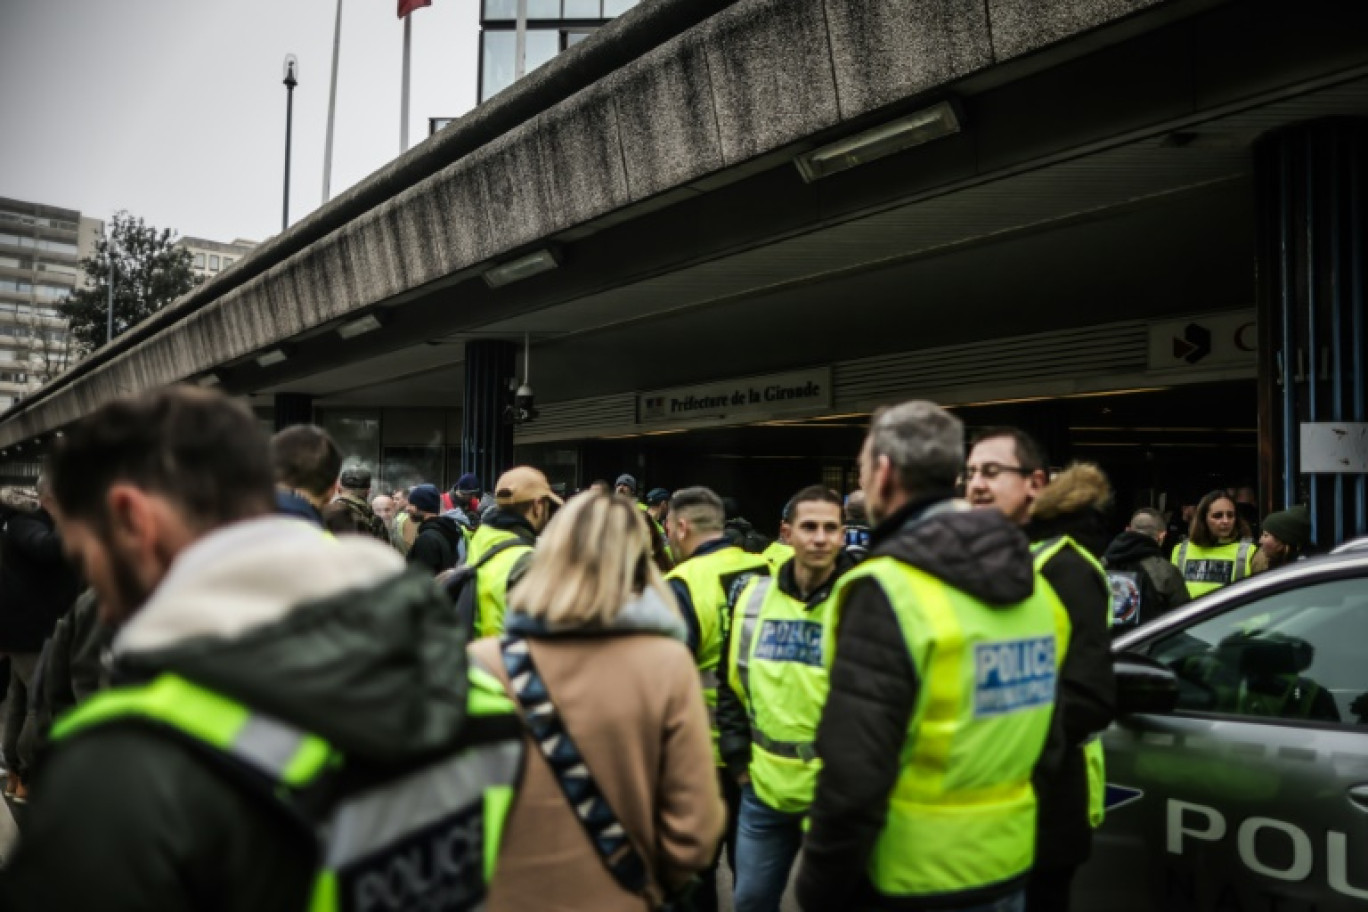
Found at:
(595, 624)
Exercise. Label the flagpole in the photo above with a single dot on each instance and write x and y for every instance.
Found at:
(404, 100)
(332, 106)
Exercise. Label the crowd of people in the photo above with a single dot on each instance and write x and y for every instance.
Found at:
(240, 681)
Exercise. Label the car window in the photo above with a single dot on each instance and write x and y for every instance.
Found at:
(1294, 655)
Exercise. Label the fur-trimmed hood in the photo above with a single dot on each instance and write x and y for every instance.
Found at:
(1074, 504)
(1083, 485)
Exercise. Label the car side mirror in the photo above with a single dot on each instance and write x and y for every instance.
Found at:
(1143, 685)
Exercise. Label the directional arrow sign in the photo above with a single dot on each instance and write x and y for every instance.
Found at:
(1119, 796)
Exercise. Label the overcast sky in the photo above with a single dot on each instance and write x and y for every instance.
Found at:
(175, 111)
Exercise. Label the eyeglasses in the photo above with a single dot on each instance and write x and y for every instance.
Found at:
(991, 470)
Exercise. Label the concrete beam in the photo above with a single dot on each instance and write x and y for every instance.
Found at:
(706, 87)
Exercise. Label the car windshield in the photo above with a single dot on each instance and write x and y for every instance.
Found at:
(1293, 655)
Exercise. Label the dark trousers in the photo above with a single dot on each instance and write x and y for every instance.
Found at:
(20, 739)
(706, 899)
(1049, 888)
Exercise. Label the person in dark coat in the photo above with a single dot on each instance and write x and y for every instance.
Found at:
(875, 686)
(440, 542)
(1144, 584)
(1006, 471)
(37, 587)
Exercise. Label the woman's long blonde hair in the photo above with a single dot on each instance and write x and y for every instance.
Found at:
(593, 558)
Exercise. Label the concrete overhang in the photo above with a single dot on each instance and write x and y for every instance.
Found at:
(676, 109)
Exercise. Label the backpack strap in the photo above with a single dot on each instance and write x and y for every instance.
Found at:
(498, 549)
(562, 755)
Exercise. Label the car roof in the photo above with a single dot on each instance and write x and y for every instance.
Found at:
(1292, 576)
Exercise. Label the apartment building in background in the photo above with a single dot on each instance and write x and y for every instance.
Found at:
(41, 247)
(209, 258)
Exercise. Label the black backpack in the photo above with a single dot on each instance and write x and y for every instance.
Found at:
(462, 580)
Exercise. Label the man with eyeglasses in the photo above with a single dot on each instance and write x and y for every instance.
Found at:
(1006, 471)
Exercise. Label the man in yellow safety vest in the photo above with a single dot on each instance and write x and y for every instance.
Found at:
(1063, 519)
(942, 686)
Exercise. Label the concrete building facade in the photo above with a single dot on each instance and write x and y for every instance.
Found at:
(41, 247)
(716, 234)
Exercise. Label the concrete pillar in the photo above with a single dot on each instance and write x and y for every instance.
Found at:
(292, 409)
(486, 435)
(1312, 180)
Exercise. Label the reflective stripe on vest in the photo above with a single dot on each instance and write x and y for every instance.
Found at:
(988, 678)
(780, 674)
(491, 586)
(709, 579)
(1094, 758)
(1208, 569)
(445, 819)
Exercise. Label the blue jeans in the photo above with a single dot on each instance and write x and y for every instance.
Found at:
(767, 842)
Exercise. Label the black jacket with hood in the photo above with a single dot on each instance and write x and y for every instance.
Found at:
(874, 688)
(37, 583)
(1072, 505)
(1136, 552)
(439, 543)
(329, 636)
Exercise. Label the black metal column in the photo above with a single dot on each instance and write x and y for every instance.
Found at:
(486, 436)
(1311, 181)
(292, 409)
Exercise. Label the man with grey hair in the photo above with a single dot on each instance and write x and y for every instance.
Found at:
(1144, 585)
(943, 638)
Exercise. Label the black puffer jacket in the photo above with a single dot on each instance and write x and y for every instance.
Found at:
(37, 584)
(438, 544)
(1086, 703)
(874, 690)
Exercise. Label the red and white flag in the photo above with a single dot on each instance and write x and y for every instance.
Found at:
(408, 6)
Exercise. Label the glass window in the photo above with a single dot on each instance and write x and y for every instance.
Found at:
(15, 285)
(542, 45)
(213, 261)
(227, 261)
(613, 8)
(497, 69)
(583, 9)
(199, 261)
(58, 247)
(15, 240)
(1294, 655)
(507, 10)
(6, 354)
(572, 37)
(404, 467)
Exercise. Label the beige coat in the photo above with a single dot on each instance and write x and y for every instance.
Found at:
(633, 705)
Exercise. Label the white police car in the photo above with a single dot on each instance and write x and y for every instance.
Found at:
(1238, 768)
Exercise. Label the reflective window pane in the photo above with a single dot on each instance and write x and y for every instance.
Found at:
(582, 9)
(497, 71)
(1294, 655)
(617, 7)
(543, 9)
(500, 9)
(542, 45)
